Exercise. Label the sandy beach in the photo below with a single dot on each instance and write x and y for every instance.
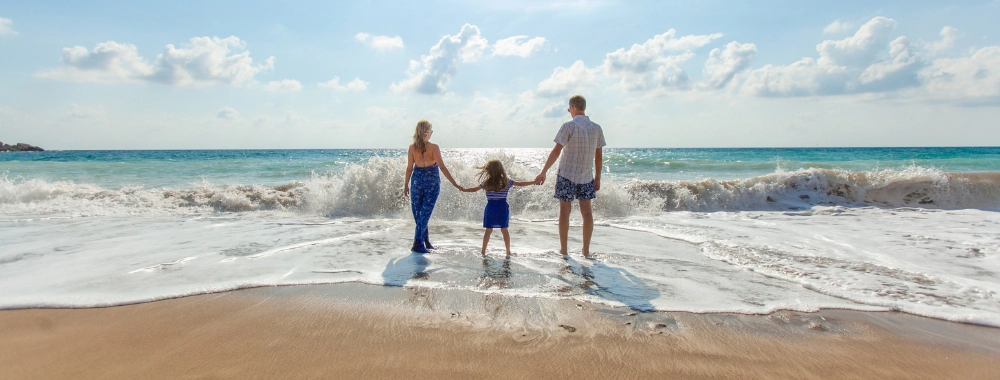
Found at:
(363, 331)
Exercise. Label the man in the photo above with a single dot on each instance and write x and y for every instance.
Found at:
(580, 142)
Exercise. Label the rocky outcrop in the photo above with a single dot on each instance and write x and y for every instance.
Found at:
(19, 147)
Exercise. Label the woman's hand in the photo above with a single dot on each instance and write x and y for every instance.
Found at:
(406, 191)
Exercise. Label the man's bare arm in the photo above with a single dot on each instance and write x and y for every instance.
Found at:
(540, 179)
(598, 160)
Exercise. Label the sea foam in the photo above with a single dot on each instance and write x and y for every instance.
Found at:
(375, 189)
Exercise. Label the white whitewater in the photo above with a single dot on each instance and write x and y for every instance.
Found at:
(917, 240)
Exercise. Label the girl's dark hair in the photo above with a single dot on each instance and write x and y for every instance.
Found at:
(493, 176)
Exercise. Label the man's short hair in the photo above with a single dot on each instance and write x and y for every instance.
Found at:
(578, 102)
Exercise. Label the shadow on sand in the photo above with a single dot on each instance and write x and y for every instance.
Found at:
(611, 283)
(399, 271)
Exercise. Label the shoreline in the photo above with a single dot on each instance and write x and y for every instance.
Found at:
(368, 331)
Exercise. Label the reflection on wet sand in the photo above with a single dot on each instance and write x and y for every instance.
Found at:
(496, 273)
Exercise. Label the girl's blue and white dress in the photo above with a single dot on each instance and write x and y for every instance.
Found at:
(497, 213)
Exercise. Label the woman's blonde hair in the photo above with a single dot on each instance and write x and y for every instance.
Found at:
(420, 135)
(493, 176)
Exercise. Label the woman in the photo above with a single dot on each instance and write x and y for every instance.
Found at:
(422, 163)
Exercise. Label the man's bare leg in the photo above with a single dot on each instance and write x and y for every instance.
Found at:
(564, 209)
(588, 225)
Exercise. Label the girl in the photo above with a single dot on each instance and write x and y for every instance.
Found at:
(422, 164)
(493, 179)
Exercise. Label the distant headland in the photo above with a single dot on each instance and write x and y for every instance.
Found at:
(19, 147)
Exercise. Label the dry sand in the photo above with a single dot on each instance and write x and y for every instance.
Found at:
(361, 331)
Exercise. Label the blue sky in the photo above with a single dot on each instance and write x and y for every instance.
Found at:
(312, 74)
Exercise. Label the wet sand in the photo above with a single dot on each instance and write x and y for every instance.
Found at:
(363, 331)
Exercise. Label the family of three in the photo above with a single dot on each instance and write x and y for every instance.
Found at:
(578, 148)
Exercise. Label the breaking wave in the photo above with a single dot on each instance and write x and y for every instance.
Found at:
(374, 190)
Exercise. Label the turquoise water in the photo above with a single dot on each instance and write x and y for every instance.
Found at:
(701, 230)
(185, 168)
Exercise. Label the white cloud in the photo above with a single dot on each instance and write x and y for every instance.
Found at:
(434, 71)
(838, 27)
(970, 80)
(203, 61)
(948, 37)
(355, 85)
(7, 27)
(802, 78)
(861, 64)
(514, 46)
(284, 85)
(567, 80)
(723, 65)
(380, 43)
(228, 113)
(646, 66)
(108, 62)
(899, 71)
(556, 110)
(862, 48)
(80, 112)
(387, 118)
(208, 60)
(849, 65)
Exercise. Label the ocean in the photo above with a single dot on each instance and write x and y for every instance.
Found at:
(750, 231)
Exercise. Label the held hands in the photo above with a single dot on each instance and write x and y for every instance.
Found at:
(540, 179)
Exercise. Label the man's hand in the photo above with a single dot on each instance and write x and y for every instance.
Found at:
(540, 179)
(597, 184)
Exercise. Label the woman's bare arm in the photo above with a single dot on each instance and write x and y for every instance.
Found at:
(409, 171)
(440, 162)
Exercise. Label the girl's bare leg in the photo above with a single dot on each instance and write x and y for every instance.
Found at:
(506, 239)
(486, 239)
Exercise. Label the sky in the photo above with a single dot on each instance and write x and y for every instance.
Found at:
(494, 74)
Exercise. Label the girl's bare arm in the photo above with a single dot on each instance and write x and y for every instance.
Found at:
(524, 183)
